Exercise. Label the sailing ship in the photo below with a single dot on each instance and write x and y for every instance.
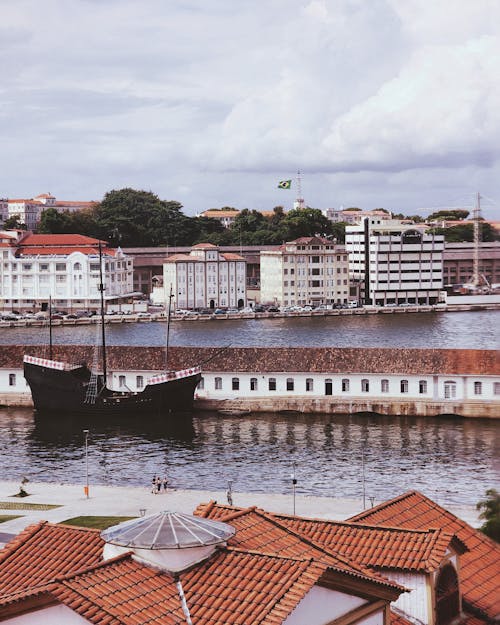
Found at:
(74, 388)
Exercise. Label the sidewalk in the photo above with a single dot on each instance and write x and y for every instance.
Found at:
(126, 501)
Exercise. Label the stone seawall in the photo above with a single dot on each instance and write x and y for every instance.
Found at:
(396, 407)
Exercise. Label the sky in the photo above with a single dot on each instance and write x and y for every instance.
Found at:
(378, 103)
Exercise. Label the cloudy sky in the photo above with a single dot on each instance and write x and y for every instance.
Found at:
(392, 103)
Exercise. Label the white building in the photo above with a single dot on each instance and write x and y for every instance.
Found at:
(395, 262)
(307, 271)
(352, 216)
(4, 210)
(205, 278)
(29, 211)
(64, 267)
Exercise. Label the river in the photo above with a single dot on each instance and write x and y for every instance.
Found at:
(453, 461)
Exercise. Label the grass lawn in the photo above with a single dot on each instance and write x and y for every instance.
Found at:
(97, 522)
(8, 517)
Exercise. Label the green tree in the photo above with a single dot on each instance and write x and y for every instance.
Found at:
(54, 222)
(14, 223)
(465, 232)
(305, 222)
(490, 514)
(452, 214)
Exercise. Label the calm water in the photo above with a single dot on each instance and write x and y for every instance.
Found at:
(452, 461)
(467, 330)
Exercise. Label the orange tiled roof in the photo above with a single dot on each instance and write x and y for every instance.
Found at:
(397, 619)
(42, 552)
(263, 531)
(231, 256)
(61, 251)
(51, 563)
(204, 246)
(61, 239)
(184, 258)
(372, 547)
(479, 568)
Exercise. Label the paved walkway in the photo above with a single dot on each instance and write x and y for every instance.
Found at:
(127, 501)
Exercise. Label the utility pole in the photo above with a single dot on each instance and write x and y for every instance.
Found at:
(476, 216)
(86, 489)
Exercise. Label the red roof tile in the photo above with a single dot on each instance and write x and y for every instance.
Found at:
(480, 567)
(61, 239)
(24, 250)
(43, 552)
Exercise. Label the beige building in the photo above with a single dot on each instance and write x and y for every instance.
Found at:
(205, 278)
(307, 271)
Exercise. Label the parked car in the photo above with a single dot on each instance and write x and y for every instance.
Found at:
(273, 309)
(220, 311)
(353, 304)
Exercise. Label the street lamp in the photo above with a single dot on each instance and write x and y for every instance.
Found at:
(86, 487)
(294, 484)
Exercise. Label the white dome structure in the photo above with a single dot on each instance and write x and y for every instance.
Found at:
(168, 540)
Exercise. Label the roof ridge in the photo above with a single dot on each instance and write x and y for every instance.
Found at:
(28, 532)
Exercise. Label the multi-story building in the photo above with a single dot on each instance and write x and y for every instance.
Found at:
(458, 263)
(395, 262)
(225, 216)
(205, 278)
(63, 267)
(4, 210)
(307, 271)
(353, 216)
(29, 211)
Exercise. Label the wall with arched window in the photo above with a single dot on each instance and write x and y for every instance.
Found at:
(447, 595)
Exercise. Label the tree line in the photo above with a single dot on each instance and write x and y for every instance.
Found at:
(132, 218)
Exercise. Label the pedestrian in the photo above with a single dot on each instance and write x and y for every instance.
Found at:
(153, 485)
(158, 484)
(165, 484)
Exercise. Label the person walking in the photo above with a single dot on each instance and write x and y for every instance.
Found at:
(153, 485)
(158, 484)
(165, 484)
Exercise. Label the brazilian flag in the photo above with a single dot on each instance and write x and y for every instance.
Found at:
(285, 184)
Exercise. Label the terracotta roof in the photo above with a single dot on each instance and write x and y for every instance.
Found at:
(231, 256)
(236, 585)
(42, 552)
(215, 213)
(311, 241)
(359, 544)
(183, 258)
(204, 246)
(480, 567)
(333, 360)
(24, 250)
(61, 239)
(397, 619)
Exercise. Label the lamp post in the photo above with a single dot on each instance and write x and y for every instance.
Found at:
(86, 488)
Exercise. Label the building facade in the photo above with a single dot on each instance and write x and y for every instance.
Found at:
(307, 271)
(458, 263)
(63, 267)
(353, 216)
(395, 262)
(205, 278)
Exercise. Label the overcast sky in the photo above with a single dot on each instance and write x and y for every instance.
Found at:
(392, 103)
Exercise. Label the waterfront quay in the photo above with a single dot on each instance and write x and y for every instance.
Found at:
(420, 382)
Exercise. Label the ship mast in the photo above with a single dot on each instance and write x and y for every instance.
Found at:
(171, 295)
(103, 334)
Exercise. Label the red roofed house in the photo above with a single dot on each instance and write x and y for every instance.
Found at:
(65, 267)
(205, 278)
(174, 569)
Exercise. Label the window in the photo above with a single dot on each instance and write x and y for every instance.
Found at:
(450, 389)
(478, 388)
(121, 381)
(404, 386)
(447, 596)
(62, 266)
(272, 384)
(253, 384)
(235, 384)
(309, 384)
(201, 384)
(289, 384)
(345, 386)
(496, 388)
(384, 386)
(365, 386)
(77, 266)
(328, 387)
(139, 381)
(422, 387)
(12, 379)
(218, 384)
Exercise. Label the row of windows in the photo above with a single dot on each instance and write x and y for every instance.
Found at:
(450, 387)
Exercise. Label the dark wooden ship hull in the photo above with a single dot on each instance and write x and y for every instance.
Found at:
(63, 388)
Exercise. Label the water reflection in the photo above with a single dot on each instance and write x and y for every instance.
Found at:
(451, 460)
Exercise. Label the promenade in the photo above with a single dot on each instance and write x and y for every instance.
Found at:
(127, 501)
